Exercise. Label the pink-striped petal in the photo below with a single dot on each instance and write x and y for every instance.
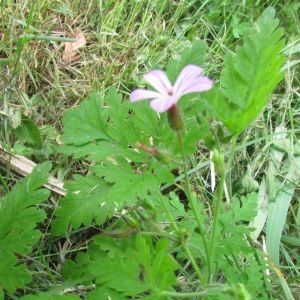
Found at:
(142, 94)
(165, 95)
(161, 105)
(188, 73)
(199, 84)
(159, 80)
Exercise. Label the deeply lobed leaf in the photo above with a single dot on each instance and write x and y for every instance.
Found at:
(129, 267)
(250, 74)
(19, 218)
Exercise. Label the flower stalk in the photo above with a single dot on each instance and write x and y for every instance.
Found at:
(222, 170)
(164, 98)
(193, 204)
(182, 239)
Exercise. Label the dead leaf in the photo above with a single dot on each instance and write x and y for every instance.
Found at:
(70, 53)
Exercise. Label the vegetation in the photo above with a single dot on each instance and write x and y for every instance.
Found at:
(151, 209)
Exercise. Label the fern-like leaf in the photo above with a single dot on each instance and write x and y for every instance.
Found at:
(96, 197)
(250, 74)
(125, 267)
(19, 218)
(49, 296)
(85, 202)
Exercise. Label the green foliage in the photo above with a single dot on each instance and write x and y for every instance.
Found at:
(250, 74)
(235, 242)
(97, 197)
(193, 55)
(84, 203)
(96, 128)
(107, 130)
(125, 267)
(185, 221)
(48, 296)
(28, 132)
(18, 234)
(107, 127)
(85, 124)
(133, 218)
(237, 215)
(280, 193)
(251, 273)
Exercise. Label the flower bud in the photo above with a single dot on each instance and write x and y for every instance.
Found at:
(159, 155)
(218, 160)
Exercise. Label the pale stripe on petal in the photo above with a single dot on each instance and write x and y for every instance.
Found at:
(200, 84)
(159, 80)
(187, 74)
(142, 94)
(165, 95)
(161, 105)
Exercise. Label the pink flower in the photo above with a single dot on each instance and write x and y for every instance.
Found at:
(166, 94)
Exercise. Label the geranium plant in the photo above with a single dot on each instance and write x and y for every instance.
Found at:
(157, 234)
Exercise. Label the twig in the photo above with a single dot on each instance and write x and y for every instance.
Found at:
(24, 166)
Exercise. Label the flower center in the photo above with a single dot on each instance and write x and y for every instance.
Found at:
(170, 92)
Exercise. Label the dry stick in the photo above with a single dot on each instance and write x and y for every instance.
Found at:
(24, 166)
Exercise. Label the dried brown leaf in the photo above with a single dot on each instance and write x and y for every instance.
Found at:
(70, 53)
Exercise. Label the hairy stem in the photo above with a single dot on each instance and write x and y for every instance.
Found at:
(218, 200)
(214, 234)
(182, 239)
(193, 204)
(225, 289)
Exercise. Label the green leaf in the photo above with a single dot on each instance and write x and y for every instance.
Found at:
(277, 213)
(127, 183)
(234, 224)
(28, 132)
(105, 294)
(84, 124)
(47, 296)
(249, 269)
(280, 193)
(293, 241)
(96, 197)
(125, 173)
(85, 201)
(101, 128)
(250, 74)
(251, 275)
(18, 232)
(193, 55)
(259, 221)
(129, 267)
(116, 113)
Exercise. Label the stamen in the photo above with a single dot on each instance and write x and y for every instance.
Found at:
(170, 92)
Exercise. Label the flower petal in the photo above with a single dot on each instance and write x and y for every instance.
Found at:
(161, 105)
(198, 84)
(159, 80)
(142, 94)
(187, 73)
